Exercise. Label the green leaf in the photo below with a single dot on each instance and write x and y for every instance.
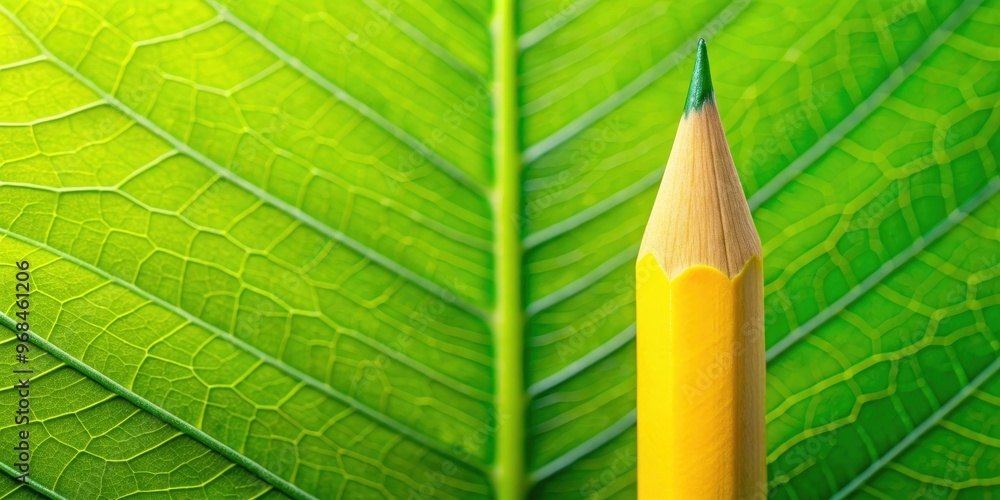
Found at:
(384, 247)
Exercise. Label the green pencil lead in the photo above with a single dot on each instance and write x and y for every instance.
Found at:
(700, 91)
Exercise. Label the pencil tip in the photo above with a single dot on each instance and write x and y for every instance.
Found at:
(700, 91)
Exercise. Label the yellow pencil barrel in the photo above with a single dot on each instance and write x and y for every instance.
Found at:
(700, 383)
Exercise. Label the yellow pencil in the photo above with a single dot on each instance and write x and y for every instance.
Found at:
(700, 320)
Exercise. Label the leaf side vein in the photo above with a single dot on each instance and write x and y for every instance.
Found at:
(292, 211)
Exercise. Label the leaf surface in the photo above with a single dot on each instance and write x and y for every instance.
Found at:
(385, 247)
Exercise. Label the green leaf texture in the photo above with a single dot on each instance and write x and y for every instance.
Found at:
(384, 248)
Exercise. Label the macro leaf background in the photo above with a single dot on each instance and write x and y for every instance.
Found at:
(366, 248)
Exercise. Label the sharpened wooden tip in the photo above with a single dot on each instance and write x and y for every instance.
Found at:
(700, 216)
